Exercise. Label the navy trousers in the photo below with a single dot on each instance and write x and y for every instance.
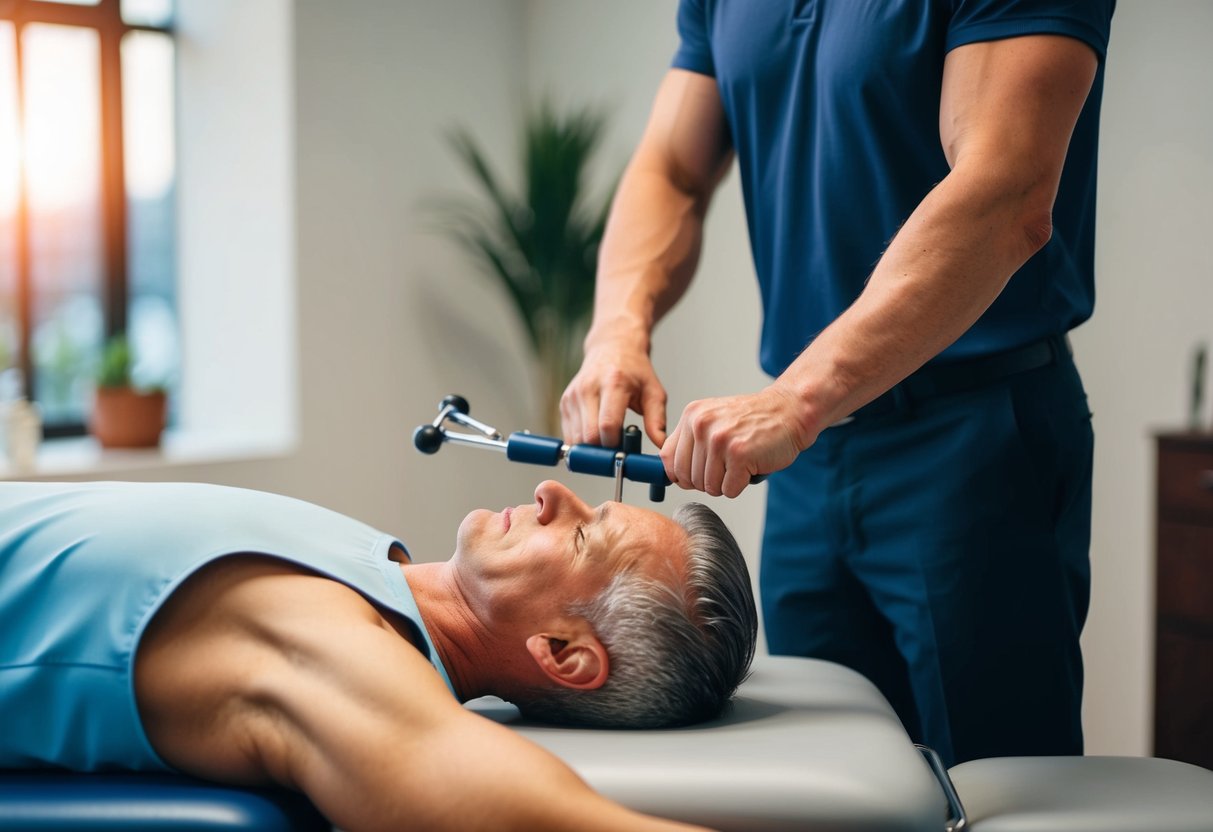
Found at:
(941, 549)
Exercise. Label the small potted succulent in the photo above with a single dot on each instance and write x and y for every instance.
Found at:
(125, 416)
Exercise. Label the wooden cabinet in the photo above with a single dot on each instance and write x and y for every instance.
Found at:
(1183, 662)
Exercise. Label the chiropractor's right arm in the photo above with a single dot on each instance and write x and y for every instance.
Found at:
(648, 257)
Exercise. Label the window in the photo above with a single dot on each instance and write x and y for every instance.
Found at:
(87, 195)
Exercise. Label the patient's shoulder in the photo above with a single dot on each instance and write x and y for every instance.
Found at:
(250, 651)
(260, 598)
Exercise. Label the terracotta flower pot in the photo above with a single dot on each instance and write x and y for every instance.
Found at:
(126, 418)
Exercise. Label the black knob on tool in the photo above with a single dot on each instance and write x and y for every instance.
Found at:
(427, 439)
(457, 403)
(631, 440)
(631, 445)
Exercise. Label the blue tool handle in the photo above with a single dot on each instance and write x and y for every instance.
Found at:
(645, 468)
(589, 459)
(649, 468)
(592, 459)
(537, 450)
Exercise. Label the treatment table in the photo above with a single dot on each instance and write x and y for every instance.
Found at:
(807, 745)
(812, 745)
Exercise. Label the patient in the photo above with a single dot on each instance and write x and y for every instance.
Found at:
(250, 638)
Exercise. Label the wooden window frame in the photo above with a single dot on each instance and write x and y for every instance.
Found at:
(106, 19)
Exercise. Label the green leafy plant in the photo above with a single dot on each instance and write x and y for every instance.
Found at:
(541, 243)
(116, 368)
(116, 360)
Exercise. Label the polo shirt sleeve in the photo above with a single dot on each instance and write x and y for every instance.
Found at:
(695, 49)
(982, 20)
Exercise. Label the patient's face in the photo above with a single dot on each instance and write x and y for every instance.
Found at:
(542, 556)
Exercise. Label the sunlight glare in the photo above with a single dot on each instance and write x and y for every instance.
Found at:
(147, 114)
(10, 150)
(62, 122)
(148, 12)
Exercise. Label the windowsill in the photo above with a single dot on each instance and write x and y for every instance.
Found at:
(83, 457)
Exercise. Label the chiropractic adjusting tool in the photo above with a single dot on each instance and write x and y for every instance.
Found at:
(623, 463)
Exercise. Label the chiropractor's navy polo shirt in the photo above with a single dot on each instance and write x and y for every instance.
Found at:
(834, 111)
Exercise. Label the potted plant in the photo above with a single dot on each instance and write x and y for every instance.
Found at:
(123, 415)
(541, 243)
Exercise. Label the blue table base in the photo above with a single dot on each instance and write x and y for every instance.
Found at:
(40, 801)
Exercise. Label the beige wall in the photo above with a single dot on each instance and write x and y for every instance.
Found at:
(1155, 302)
(391, 318)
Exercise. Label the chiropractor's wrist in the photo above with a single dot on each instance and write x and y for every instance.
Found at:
(806, 416)
(622, 332)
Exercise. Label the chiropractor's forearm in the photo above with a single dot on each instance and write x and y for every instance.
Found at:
(1007, 111)
(946, 265)
(648, 256)
(649, 253)
(652, 240)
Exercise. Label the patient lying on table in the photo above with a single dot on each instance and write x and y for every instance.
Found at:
(249, 638)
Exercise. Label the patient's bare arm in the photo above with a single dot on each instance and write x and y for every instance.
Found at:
(258, 672)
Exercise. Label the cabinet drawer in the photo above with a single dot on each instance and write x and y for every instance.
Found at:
(1183, 712)
(1185, 483)
(1185, 572)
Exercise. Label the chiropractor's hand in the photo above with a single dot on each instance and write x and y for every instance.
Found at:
(617, 374)
(719, 444)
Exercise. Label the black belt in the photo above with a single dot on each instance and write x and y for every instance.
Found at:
(961, 376)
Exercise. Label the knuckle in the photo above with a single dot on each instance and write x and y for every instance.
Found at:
(736, 448)
(722, 445)
(615, 377)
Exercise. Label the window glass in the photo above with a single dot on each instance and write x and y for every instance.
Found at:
(62, 165)
(147, 12)
(150, 163)
(9, 171)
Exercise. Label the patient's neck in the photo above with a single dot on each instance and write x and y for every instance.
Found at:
(478, 661)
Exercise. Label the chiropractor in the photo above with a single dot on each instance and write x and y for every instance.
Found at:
(936, 538)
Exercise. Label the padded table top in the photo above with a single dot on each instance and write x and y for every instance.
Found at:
(1085, 794)
(806, 742)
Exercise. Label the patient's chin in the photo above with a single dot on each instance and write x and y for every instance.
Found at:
(470, 538)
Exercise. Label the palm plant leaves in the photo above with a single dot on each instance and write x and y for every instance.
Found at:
(542, 243)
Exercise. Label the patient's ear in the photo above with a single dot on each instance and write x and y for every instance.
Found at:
(574, 659)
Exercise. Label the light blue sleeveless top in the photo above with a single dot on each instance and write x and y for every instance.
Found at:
(85, 566)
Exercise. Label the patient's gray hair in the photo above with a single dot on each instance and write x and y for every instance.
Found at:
(677, 653)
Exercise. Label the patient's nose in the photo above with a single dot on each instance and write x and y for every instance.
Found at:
(553, 499)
